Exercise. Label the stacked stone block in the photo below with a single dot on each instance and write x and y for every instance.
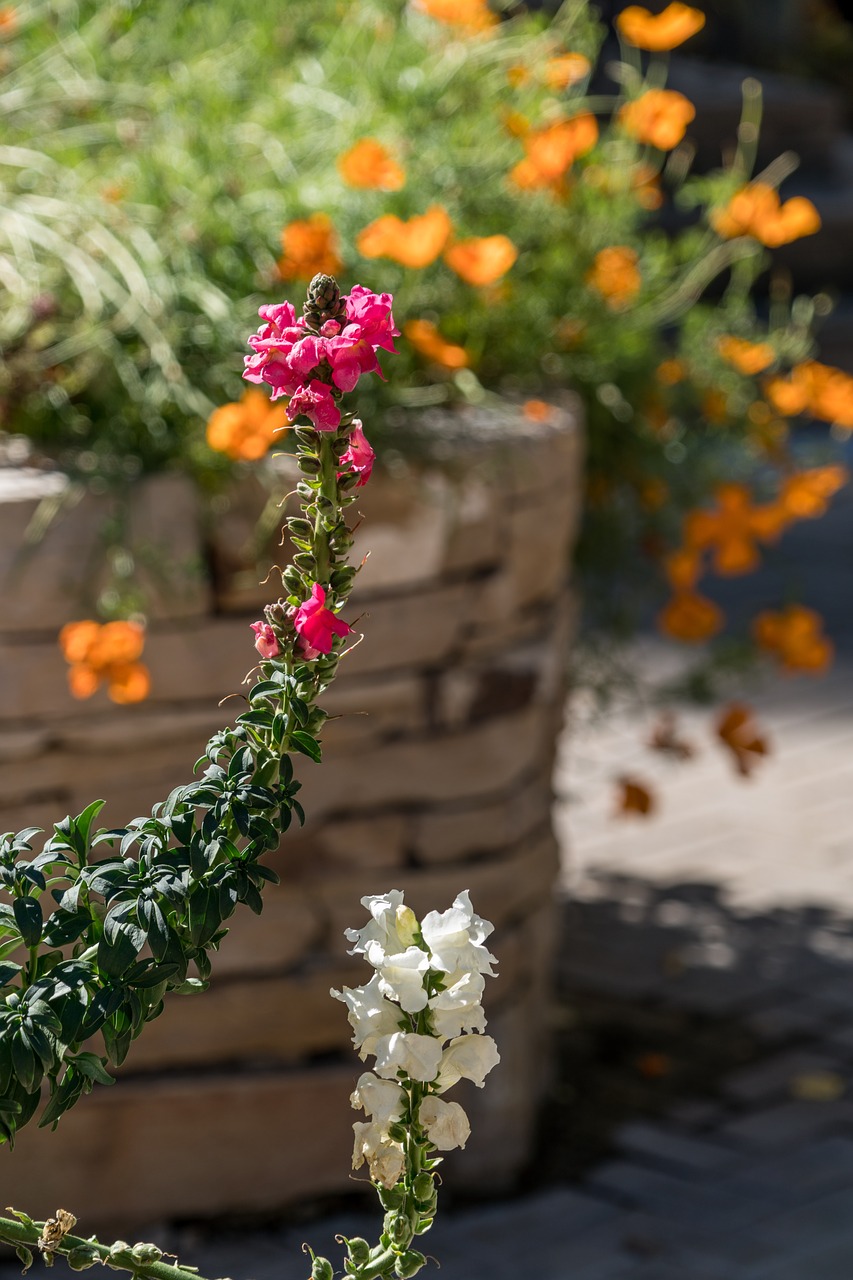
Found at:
(436, 777)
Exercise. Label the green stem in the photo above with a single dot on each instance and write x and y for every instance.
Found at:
(17, 1234)
(328, 488)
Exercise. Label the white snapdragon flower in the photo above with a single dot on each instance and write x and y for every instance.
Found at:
(383, 1100)
(386, 1160)
(393, 924)
(416, 1055)
(471, 1057)
(401, 976)
(445, 1123)
(455, 938)
(458, 1007)
(370, 1015)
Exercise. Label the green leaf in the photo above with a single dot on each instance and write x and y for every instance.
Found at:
(28, 914)
(8, 971)
(308, 745)
(92, 1067)
(25, 1256)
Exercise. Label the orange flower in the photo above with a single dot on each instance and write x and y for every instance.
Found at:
(517, 76)
(748, 358)
(565, 70)
(738, 731)
(690, 618)
(786, 397)
(806, 496)
(715, 406)
(645, 183)
(670, 372)
(553, 150)
(481, 260)
(658, 117)
(426, 339)
(733, 530)
(96, 653)
(8, 20)
(517, 125)
(662, 31)
(756, 211)
(245, 429)
(683, 568)
(472, 15)
(634, 797)
(368, 164)
(415, 243)
(537, 410)
(310, 245)
(615, 275)
(794, 637)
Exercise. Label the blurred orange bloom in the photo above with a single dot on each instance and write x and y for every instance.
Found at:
(108, 653)
(683, 568)
(756, 210)
(794, 637)
(472, 15)
(415, 243)
(310, 245)
(662, 31)
(538, 410)
(566, 69)
(645, 183)
(516, 124)
(615, 275)
(8, 20)
(426, 339)
(806, 496)
(690, 618)
(823, 391)
(481, 260)
(737, 730)
(670, 372)
(634, 797)
(553, 150)
(369, 164)
(733, 529)
(748, 358)
(658, 117)
(245, 429)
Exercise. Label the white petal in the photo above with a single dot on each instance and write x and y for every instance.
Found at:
(446, 1124)
(471, 1057)
(416, 1055)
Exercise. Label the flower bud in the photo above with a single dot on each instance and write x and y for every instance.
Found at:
(300, 528)
(83, 1257)
(304, 559)
(424, 1187)
(145, 1254)
(342, 578)
(359, 1250)
(292, 578)
(310, 463)
(307, 436)
(392, 1197)
(407, 925)
(398, 1228)
(324, 300)
(409, 1264)
(321, 1269)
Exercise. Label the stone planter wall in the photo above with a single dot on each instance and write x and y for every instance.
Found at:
(436, 778)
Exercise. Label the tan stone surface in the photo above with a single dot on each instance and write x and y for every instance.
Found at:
(289, 925)
(189, 1148)
(447, 834)
(280, 1020)
(417, 629)
(379, 841)
(52, 562)
(479, 761)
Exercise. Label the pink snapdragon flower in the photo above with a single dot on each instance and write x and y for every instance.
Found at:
(266, 640)
(360, 456)
(272, 346)
(372, 313)
(317, 403)
(316, 625)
